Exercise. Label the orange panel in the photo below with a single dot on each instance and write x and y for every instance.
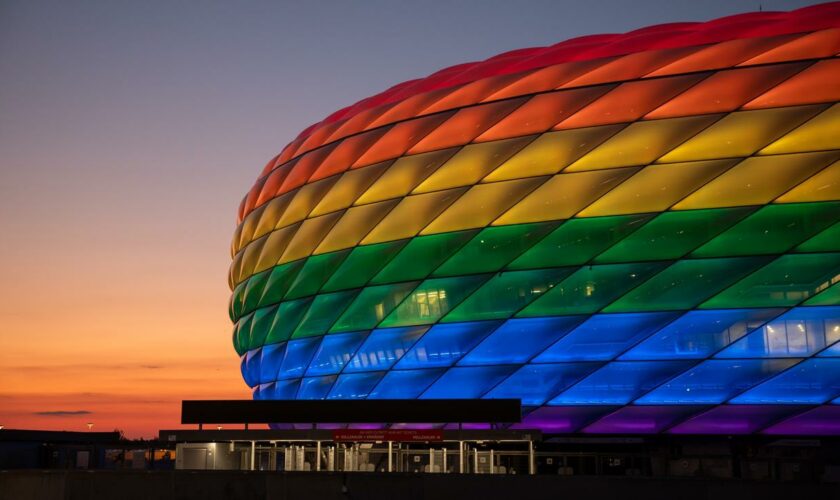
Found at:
(722, 55)
(542, 112)
(631, 66)
(629, 101)
(348, 151)
(824, 43)
(410, 107)
(471, 93)
(819, 83)
(273, 183)
(358, 122)
(253, 193)
(317, 138)
(401, 137)
(547, 78)
(305, 166)
(289, 151)
(466, 125)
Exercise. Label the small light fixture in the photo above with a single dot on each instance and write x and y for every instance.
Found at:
(90, 425)
(218, 427)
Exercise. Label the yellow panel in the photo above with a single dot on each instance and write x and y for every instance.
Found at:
(740, 134)
(404, 175)
(472, 163)
(756, 180)
(235, 270)
(249, 225)
(234, 244)
(819, 134)
(563, 195)
(273, 211)
(482, 204)
(305, 200)
(348, 188)
(249, 259)
(274, 246)
(657, 187)
(552, 152)
(310, 233)
(642, 143)
(823, 186)
(354, 225)
(412, 215)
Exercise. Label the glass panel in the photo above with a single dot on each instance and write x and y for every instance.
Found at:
(362, 263)
(411, 215)
(242, 334)
(275, 245)
(304, 201)
(348, 188)
(405, 384)
(642, 143)
(372, 305)
(800, 332)
(604, 336)
(534, 384)
(813, 85)
(518, 340)
(260, 326)
(655, 188)
(563, 195)
(308, 236)
(686, 283)
(818, 134)
(316, 387)
(346, 152)
(279, 282)
(590, 288)
(433, 299)
(734, 419)
(400, 138)
(494, 247)
(813, 381)
(323, 312)
(384, 347)
(298, 354)
(422, 255)
(355, 386)
(641, 419)
(316, 270)
(404, 175)
(467, 383)
(334, 353)
(698, 334)
(722, 55)
(578, 240)
(255, 285)
(284, 389)
(772, 229)
(826, 241)
(715, 381)
(631, 66)
(828, 297)
(787, 281)
(354, 225)
(445, 344)
(270, 361)
(822, 186)
(286, 320)
(620, 382)
(506, 293)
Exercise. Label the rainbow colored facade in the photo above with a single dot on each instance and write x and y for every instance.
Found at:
(633, 233)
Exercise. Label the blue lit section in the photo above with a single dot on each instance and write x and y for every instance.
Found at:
(335, 351)
(604, 336)
(813, 381)
(272, 356)
(467, 382)
(250, 366)
(698, 334)
(620, 382)
(832, 351)
(444, 344)
(518, 340)
(315, 387)
(298, 354)
(384, 347)
(799, 332)
(355, 385)
(534, 384)
(715, 381)
(285, 389)
(407, 384)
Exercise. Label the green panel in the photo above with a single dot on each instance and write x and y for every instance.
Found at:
(362, 263)
(287, 318)
(826, 241)
(243, 333)
(685, 284)
(591, 288)
(772, 229)
(323, 313)
(433, 299)
(786, 281)
(237, 339)
(254, 290)
(827, 297)
(494, 247)
(673, 234)
(263, 318)
(279, 282)
(372, 305)
(315, 272)
(236, 300)
(507, 293)
(578, 240)
(421, 256)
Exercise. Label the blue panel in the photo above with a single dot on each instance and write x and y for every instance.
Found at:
(518, 340)
(272, 357)
(263, 391)
(284, 389)
(832, 351)
(604, 336)
(534, 384)
(715, 381)
(698, 334)
(335, 351)
(465, 382)
(407, 384)
(315, 387)
(298, 355)
(444, 344)
(355, 385)
(384, 347)
(620, 382)
(814, 381)
(250, 366)
(799, 332)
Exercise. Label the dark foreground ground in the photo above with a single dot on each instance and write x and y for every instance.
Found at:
(218, 485)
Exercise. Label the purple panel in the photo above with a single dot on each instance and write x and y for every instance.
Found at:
(562, 419)
(366, 426)
(482, 427)
(642, 419)
(821, 421)
(417, 426)
(734, 419)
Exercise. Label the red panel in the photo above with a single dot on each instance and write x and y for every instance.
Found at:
(546, 79)
(306, 164)
(348, 151)
(401, 137)
(816, 84)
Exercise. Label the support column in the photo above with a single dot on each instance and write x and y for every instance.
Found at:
(390, 456)
(253, 454)
(461, 457)
(532, 467)
(492, 463)
(317, 455)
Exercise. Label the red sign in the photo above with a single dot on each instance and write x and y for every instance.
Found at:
(359, 435)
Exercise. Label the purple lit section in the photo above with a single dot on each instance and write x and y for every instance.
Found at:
(417, 426)
(734, 419)
(641, 419)
(821, 421)
(367, 426)
(562, 419)
(482, 427)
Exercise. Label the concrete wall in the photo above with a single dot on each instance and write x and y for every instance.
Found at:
(224, 485)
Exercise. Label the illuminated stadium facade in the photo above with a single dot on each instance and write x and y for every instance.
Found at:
(632, 234)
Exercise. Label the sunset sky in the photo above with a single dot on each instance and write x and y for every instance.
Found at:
(129, 131)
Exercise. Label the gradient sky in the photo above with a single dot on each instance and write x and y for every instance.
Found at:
(129, 131)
